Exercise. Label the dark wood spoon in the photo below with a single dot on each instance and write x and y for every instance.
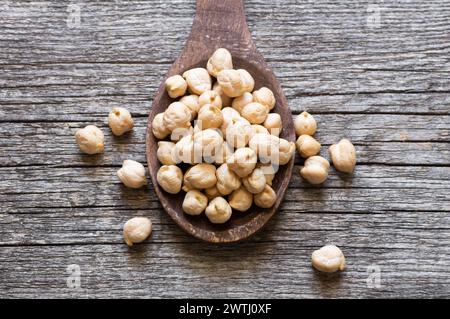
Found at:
(221, 24)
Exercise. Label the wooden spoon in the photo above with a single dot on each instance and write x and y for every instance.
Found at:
(221, 24)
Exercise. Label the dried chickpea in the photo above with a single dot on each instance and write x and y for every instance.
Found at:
(210, 97)
(307, 146)
(220, 60)
(238, 133)
(224, 152)
(136, 230)
(164, 153)
(212, 192)
(177, 115)
(235, 82)
(255, 182)
(241, 101)
(241, 199)
(170, 178)
(186, 151)
(159, 130)
(265, 97)
(247, 80)
(90, 139)
(208, 143)
(201, 176)
(315, 170)
(218, 211)
(343, 156)
(120, 121)
(230, 116)
(209, 116)
(132, 174)
(192, 102)
(198, 80)
(180, 132)
(268, 171)
(176, 86)
(273, 123)
(194, 202)
(305, 124)
(255, 113)
(227, 180)
(243, 161)
(258, 129)
(226, 100)
(328, 259)
(266, 198)
(265, 145)
(286, 151)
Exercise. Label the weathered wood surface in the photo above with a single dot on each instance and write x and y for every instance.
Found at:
(387, 88)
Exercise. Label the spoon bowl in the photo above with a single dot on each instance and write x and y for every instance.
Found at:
(204, 39)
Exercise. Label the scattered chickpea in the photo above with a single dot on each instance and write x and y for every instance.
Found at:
(241, 101)
(176, 86)
(315, 170)
(194, 202)
(209, 116)
(220, 60)
(198, 80)
(218, 211)
(177, 115)
(165, 153)
(201, 176)
(266, 198)
(343, 156)
(241, 199)
(328, 259)
(192, 102)
(307, 146)
(227, 180)
(120, 121)
(90, 139)
(273, 124)
(255, 113)
(243, 161)
(137, 230)
(132, 174)
(159, 130)
(265, 97)
(255, 182)
(305, 124)
(170, 178)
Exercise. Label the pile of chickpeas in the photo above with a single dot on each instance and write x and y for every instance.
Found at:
(226, 133)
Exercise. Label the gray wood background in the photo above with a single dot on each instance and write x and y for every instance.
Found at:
(377, 72)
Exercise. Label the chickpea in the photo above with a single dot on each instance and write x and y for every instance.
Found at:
(209, 116)
(170, 178)
(208, 143)
(226, 100)
(243, 161)
(220, 60)
(328, 259)
(176, 86)
(192, 102)
(136, 230)
(266, 198)
(180, 132)
(201, 176)
(187, 151)
(218, 211)
(235, 82)
(159, 130)
(132, 174)
(268, 171)
(255, 182)
(212, 192)
(90, 139)
(227, 180)
(230, 116)
(198, 80)
(177, 115)
(343, 156)
(255, 113)
(120, 121)
(238, 133)
(286, 151)
(305, 124)
(258, 129)
(164, 153)
(241, 199)
(307, 146)
(265, 97)
(210, 97)
(315, 170)
(273, 123)
(266, 146)
(194, 202)
(241, 101)
(224, 152)
(247, 80)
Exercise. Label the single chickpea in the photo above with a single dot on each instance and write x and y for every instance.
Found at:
(343, 156)
(211, 98)
(226, 100)
(136, 230)
(209, 116)
(255, 182)
(218, 211)
(238, 133)
(307, 146)
(328, 259)
(194, 202)
(164, 153)
(198, 80)
(170, 178)
(266, 198)
(180, 132)
(90, 139)
(230, 116)
(315, 170)
(132, 174)
(212, 192)
(192, 102)
(265, 145)
(241, 101)
(243, 161)
(235, 82)
(241, 199)
(120, 121)
(184, 151)
(273, 123)
(305, 124)
(177, 115)
(286, 151)
(227, 180)
(159, 130)
(255, 113)
(265, 97)
(208, 143)
(220, 60)
(201, 176)
(247, 80)
(176, 86)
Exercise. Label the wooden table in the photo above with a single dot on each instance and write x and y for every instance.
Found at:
(377, 72)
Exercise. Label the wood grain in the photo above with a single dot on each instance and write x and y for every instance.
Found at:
(384, 87)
